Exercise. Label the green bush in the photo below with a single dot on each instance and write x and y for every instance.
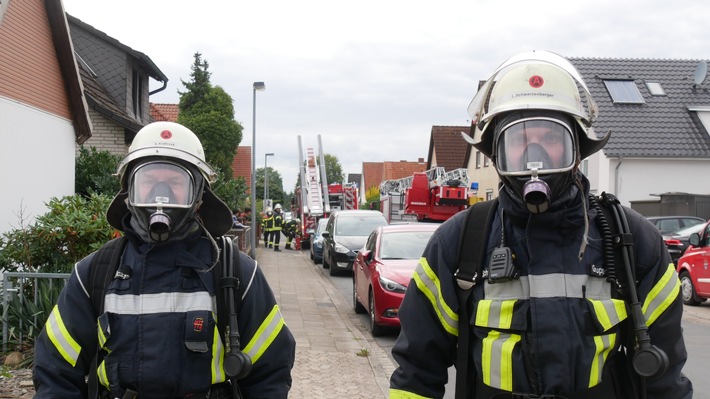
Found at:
(73, 228)
(94, 172)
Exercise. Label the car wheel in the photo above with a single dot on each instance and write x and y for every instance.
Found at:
(359, 309)
(376, 329)
(325, 264)
(690, 297)
(317, 259)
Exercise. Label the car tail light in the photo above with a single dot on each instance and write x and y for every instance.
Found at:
(673, 241)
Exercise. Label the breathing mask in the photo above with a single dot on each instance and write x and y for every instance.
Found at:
(163, 196)
(536, 154)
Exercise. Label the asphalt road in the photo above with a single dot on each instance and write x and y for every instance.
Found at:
(696, 320)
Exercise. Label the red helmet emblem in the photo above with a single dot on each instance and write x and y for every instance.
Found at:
(197, 324)
(166, 134)
(536, 81)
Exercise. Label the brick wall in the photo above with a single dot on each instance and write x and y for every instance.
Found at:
(108, 136)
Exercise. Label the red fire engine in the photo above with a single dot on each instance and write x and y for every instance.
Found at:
(432, 195)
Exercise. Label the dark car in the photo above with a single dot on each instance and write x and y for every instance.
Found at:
(693, 268)
(669, 224)
(345, 234)
(678, 241)
(383, 270)
(316, 240)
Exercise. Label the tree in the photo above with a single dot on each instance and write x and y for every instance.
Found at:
(276, 191)
(208, 111)
(333, 169)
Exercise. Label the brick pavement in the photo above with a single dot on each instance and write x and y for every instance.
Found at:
(333, 357)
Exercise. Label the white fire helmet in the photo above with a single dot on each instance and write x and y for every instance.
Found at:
(535, 80)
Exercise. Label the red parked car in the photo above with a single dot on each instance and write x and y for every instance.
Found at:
(693, 268)
(383, 269)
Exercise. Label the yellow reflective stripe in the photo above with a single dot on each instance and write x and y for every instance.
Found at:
(399, 394)
(495, 314)
(497, 359)
(103, 377)
(265, 335)
(610, 312)
(217, 357)
(604, 344)
(60, 337)
(102, 337)
(661, 296)
(428, 283)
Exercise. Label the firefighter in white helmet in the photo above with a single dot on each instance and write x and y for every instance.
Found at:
(157, 328)
(542, 315)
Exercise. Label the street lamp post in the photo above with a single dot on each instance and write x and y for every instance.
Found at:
(258, 86)
(266, 179)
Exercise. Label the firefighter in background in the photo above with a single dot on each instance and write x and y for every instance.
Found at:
(157, 336)
(290, 231)
(267, 223)
(277, 226)
(544, 318)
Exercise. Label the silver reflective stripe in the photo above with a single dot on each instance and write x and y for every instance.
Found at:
(60, 337)
(603, 344)
(166, 302)
(550, 286)
(428, 283)
(662, 295)
(217, 358)
(265, 335)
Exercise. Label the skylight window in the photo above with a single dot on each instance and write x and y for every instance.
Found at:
(624, 91)
(655, 88)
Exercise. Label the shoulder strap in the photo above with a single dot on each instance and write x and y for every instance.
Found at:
(227, 274)
(102, 270)
(472, 254)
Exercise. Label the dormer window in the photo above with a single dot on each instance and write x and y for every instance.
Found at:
(655, 88)
(624, 92)
(137, 94)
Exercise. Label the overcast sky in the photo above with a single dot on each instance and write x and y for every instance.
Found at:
(373, 77)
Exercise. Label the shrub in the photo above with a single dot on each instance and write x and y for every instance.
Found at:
(94, 172)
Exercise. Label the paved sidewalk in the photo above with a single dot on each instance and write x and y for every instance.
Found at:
(334, 358)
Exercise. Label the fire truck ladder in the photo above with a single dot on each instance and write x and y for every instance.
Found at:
(315, 197)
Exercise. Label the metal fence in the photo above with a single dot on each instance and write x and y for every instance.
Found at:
(13, 289)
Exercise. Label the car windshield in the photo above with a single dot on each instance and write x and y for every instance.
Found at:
(358, 225)
(321, 225)
(689, 230)
(404, 245)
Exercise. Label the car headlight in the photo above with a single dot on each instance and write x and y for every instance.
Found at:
(341, 249)
(391, 286)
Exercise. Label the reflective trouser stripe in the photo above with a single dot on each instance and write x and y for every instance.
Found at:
(495, 314)
(103, 377)
(428, 284)
(217, 358)
(265, 335)
(604, 344)
(399, 394)
(610, 312)
(498, 359)
(661, 296)
(60, 337)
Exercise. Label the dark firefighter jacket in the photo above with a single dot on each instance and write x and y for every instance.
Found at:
(290, 228)
(158, 332)
(556, 329)
(278, 221)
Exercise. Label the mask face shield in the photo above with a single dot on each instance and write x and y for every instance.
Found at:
(161, 184)
(535, 146)
(161, 195)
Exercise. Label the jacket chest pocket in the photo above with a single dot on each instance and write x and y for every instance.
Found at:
(499, 326)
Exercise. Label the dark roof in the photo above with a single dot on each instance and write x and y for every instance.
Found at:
(354, 178)
(663, 126)
(448, 147)
(100, 101)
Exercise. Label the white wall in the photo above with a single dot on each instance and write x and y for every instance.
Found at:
(36, 161)
(639, 178)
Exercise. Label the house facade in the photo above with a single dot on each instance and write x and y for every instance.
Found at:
(658, 112)
(43, 113)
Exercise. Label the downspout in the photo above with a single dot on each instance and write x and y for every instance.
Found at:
(165, 84)
(616, 175)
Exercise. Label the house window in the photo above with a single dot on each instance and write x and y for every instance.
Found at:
(624, 91)
(478, 159)
(486, 161)
(137, 94)
(584, 167)
(655, 88)
(3, 7)
(489, 195)
(703, 112)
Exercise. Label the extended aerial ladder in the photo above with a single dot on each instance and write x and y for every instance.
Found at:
(311, 192)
